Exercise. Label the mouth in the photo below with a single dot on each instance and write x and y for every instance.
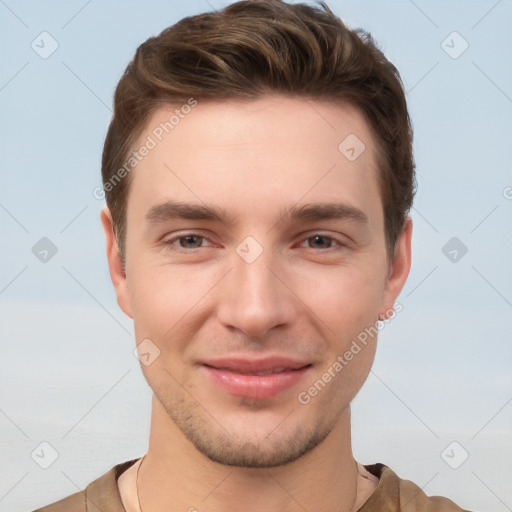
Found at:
(256, 379)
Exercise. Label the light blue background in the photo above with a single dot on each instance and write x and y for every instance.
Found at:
(442, 371)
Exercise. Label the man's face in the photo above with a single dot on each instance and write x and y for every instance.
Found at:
(251, 309)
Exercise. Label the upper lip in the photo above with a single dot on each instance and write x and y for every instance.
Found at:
(253, 365)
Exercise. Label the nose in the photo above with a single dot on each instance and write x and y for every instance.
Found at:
(256, 298)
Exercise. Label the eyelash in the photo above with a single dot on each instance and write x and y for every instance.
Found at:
(170, 242)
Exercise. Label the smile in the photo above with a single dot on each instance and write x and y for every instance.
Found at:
(256, 379)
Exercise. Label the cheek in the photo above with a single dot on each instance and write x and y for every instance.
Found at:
(161, 314)
(165, 301)
(155, 300)
(346, 299)
(357, 296)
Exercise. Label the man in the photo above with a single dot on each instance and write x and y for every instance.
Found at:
(258, 173)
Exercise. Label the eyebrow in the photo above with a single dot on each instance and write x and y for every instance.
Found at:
(324, 211)
(308, 212)
(178, 210)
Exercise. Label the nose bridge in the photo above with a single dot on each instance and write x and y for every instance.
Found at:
(254, 299)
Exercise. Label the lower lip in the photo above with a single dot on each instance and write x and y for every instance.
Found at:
(256, 387)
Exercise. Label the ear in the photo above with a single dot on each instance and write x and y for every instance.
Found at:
(398, 269)
(115, 264)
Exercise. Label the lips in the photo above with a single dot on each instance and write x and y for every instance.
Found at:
(257, 379)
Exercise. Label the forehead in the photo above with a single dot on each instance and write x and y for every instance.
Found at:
(248, 154)
(276, 120)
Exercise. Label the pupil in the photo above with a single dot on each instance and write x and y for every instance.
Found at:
(190, 239)
(319, 238)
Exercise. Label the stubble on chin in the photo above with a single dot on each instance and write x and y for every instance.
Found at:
(219, 443)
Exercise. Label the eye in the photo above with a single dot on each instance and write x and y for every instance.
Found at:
(191, 241)
(185, 241)
(320, 241)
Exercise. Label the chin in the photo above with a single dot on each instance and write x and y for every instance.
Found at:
(250, 443)
(251, 434)
(265, 454)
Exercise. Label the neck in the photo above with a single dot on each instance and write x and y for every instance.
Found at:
(175, 476)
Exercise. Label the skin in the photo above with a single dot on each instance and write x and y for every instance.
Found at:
(303, 297)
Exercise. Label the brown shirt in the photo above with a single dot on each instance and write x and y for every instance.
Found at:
(391, 495)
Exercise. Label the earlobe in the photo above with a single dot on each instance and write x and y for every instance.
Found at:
(398, 269)
(115, 264)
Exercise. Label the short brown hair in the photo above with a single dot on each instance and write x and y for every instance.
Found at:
(257, 47)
